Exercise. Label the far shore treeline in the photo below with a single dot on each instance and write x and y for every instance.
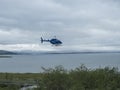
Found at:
(58, 78)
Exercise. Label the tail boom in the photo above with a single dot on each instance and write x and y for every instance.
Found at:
(42, 40)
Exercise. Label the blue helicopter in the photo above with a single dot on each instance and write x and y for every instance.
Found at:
(53, 41)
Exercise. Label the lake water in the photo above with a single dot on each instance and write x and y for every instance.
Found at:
(33, 63)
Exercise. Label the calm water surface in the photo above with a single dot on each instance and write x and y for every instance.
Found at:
(33, 63)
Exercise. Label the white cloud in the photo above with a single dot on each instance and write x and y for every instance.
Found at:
(76, 23)
(26, 47)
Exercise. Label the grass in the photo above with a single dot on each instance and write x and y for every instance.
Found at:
(58, 78)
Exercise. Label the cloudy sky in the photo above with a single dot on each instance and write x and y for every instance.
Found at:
(80, 24)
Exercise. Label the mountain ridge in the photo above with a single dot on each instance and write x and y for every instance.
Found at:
(4, 52)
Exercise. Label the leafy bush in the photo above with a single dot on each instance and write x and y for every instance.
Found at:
(58, 78)
(80, 78)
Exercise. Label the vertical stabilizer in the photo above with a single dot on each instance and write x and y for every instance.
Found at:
(42, 40)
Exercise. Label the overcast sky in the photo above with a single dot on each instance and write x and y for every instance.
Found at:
(80, 24)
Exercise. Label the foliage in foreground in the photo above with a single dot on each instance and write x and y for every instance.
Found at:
(80, 78)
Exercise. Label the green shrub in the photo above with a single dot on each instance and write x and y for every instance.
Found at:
(58, 78)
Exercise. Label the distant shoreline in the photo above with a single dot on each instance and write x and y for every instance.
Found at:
(5, 56)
